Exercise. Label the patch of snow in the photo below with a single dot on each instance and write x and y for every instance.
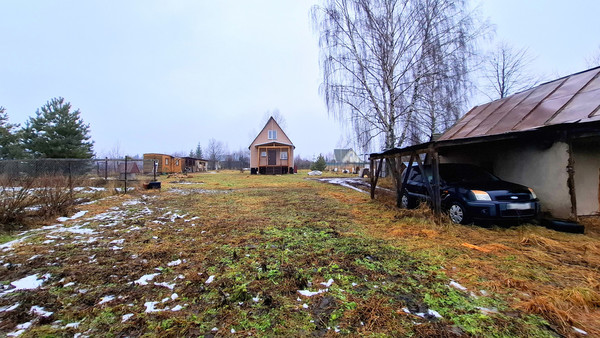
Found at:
(77, 215)
(328, 284)
(457, 286)
(305, 306)
(145, 278)
(430, 312)
(76, 230)
(342, 182)
(315, 173)
(73, 325)
(487, 311)
(177, 308)
(256, 299)
(126, 317)
(40, 311)
(117, 241)
(20, 329)
(166, 285)
(68, 284)
(174, 263)
(132, 202)
(9, 308)
(106, 299)
(580, 331)
(150, 307)
(34, 257)
(307, 293)
(232, 330)
(174, 296)
(28, 283)
(210, 279)
(9, 245)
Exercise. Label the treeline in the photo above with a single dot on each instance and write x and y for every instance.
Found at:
(54, 132)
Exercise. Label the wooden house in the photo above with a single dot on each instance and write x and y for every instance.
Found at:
(165, 163)
(271, 152)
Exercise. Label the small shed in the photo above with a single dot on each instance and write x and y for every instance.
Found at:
(131, 170)
(546, 137)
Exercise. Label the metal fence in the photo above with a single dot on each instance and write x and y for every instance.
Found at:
(101, 168)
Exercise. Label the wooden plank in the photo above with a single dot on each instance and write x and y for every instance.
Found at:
(372, 177)
(400, 192)
(376, 178)
(436, 198)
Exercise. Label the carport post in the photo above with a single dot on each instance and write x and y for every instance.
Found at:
(374, 183)
(436, 198)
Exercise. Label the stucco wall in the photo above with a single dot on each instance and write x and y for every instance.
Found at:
(587, 175)
(542, 168)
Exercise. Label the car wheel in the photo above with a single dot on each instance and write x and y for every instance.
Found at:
(407, 202)
(458, 214)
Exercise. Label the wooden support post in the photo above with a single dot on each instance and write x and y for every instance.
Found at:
(436, 197)
(400, 191)
(571, 182)
(377, 173)
(372, 177)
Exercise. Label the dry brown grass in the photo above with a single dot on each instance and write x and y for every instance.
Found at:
(548, 273)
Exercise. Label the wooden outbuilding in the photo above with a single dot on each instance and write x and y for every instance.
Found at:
(271, 152)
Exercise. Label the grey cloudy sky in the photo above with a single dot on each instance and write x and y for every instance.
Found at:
(161, 76)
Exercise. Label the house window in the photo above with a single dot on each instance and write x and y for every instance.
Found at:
(283, 155)
(176, 162)
(263, 154)
(272, 134)
(166, 161)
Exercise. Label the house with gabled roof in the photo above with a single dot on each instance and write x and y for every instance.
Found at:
(271, 152)
(546, 137)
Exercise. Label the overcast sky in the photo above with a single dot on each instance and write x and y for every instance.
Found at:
(161, 76)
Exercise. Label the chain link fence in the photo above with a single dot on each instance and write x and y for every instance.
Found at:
(47, 187)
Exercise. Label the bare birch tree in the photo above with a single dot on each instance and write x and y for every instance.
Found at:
(506, 71)
(215, 152)
(394, 66)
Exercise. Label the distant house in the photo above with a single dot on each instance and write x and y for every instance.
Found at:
(546, 137)
(346, 160)
(131, 170)
(194, 165)
(166, 164)
(271, 152)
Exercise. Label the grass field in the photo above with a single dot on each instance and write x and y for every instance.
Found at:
(233, 254)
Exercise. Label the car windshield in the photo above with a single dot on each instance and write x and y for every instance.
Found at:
(465, 173)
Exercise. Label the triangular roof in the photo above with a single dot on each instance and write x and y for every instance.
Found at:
(271, 141)
(345, 156)
(572, 99)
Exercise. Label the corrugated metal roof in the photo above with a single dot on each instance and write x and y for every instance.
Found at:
(571, 99)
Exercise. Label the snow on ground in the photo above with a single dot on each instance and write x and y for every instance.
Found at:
(146, 278)
(27, 283)
(75, 216)
(344, 182)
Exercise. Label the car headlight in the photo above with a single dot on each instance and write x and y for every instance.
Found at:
(533, 195)
(481, 195)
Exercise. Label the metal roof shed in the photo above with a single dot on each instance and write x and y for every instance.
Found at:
(547, 137)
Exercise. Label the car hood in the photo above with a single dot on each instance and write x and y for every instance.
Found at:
(491, 186)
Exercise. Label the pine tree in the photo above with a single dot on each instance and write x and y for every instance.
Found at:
(10, 147)
(198, 153)
(319, 164)
(56, 132)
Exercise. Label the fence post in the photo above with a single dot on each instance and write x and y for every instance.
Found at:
(70, 180)
(125, 174)
(106, 169)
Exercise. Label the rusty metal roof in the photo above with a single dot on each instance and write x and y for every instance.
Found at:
(571, 99)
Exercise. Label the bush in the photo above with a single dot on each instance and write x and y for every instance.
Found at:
(319, 164)
(16, 197)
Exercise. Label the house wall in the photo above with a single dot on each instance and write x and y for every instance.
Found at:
(541, 167)
(587, 175)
